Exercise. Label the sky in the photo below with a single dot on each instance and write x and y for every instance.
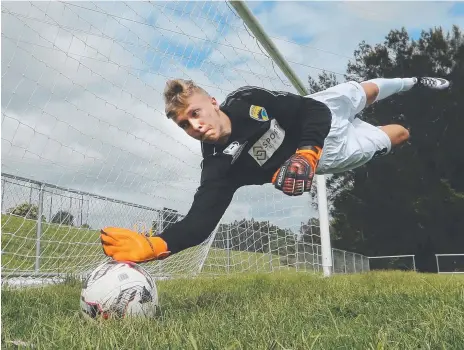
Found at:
(82, 89)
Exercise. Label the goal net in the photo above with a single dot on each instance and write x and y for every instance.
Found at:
(393, 262)
(450, 263)
(86, 143)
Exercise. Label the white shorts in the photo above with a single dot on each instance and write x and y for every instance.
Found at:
(351, 142)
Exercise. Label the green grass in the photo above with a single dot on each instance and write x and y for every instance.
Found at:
(62, 248)
(381, 310)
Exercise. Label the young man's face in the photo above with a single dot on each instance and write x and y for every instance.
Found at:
(203, 120)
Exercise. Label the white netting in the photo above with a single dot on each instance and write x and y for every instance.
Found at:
(67, 240)
(82, 110)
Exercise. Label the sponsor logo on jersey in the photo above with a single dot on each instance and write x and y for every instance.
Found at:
(258, 113)
(234, 150)
(264, 148)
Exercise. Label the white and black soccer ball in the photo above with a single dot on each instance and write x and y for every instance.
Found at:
(117, 290)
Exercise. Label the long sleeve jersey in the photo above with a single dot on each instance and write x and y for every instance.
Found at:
(267, 127)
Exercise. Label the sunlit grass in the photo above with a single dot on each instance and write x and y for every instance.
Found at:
(376, 310)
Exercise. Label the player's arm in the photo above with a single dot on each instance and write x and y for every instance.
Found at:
(296, 175)
(315, 119)
(210, 202)
(312, 117)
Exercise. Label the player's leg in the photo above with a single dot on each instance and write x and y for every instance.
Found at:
(397, 134)
(341, 150)
(344, 101)
(352, 142)
(380, 88)
(360, 143)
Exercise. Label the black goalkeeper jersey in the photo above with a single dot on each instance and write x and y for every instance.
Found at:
(267, 128)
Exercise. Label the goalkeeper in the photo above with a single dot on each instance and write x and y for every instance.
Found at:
(257, 136)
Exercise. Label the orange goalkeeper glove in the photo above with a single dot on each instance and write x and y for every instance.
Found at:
(295, 176)
(125, 245)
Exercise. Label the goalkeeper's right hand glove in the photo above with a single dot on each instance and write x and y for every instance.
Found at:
(125, 245)
(295, 176)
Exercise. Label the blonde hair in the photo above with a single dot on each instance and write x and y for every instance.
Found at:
(176, 93)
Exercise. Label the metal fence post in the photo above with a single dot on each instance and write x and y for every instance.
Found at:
(30, 194)
(3, 190)
(68, 217)
(270, 253)
(333, 262)
(344, 259)
(88, 211)
(39, 229)
(82, 206)
(51, 206)
(228, 248)
(296, 254)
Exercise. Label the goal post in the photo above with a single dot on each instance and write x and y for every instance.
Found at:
(450, 263)
(272, 50)
(86, 143)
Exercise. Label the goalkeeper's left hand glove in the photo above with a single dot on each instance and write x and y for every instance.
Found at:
(125, 245)
(295, 176)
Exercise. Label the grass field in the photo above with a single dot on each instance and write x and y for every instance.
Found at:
(376, 310)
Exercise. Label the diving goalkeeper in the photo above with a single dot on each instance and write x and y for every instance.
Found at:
(257, 136)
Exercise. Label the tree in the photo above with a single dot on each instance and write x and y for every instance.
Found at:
(170, 216)
(410, 202)
(26, 210)
(63, 217)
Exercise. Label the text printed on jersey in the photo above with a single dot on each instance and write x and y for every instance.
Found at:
(264, 148)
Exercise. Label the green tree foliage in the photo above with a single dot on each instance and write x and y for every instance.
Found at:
(26, 210)
(63, 217)
(253, 236)
(410, 202)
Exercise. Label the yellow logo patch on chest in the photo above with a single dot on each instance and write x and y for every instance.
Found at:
(258, 113)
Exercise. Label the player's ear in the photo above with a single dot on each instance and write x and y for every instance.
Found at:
(215, 103)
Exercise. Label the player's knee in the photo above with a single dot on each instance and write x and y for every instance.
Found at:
(404, 135)
(398, 134)
(371, 90)
(401, 136)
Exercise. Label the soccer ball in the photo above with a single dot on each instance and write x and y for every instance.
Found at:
(117, 290)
